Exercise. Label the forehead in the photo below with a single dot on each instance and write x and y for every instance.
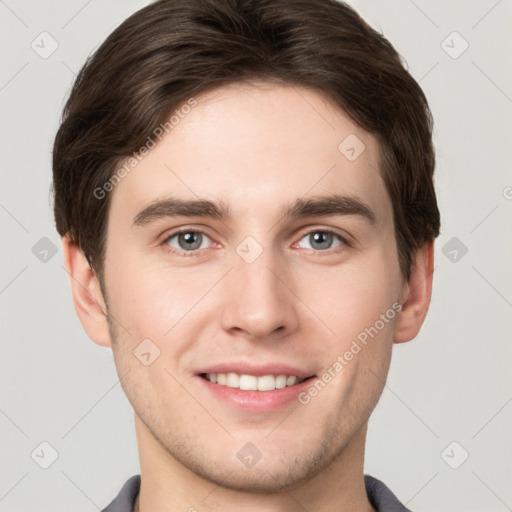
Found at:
(255, 148)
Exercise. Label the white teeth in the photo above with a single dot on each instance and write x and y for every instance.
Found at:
(248, 382)
(266, 383)
(290, 381)
(281, 381)
(253, 383)
(232, 380)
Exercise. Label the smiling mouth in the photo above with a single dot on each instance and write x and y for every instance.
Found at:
(247, 382)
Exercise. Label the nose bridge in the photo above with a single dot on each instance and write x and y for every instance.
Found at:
(258, 302)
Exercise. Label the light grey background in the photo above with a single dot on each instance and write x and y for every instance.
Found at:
(453, 383)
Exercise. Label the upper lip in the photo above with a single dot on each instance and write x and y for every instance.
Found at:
(256, 370)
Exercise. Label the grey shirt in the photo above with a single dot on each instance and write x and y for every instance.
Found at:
(381, 498)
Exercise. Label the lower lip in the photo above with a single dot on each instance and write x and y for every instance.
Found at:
(257, 401)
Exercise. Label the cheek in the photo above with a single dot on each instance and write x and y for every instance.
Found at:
(351, 298)
(167, 306)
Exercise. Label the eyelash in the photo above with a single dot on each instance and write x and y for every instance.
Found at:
(197, 252)
(177, 252)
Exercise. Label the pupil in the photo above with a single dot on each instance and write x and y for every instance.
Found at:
(191, 240)
(322, 239)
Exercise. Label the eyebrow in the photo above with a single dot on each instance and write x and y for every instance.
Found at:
(310, 207)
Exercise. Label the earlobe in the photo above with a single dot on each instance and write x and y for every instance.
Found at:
(417, 294)
(87, 296)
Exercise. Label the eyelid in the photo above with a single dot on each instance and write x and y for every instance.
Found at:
(305, 231)
(187, 229)
(169, 233)
(345, 237)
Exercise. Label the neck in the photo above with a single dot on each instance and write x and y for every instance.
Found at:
(168, 485)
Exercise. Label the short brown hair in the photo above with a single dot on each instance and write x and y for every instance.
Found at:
(172, 50)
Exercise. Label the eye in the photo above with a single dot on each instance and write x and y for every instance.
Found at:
(321, 240)
(188, 241)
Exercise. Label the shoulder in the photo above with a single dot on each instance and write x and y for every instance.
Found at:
(124, 501)
(381, 497)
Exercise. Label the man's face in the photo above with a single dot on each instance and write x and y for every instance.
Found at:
(256, 291)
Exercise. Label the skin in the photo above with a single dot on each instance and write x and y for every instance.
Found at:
(296, 303)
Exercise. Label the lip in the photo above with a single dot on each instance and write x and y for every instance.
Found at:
(256, 370)
(255, 401)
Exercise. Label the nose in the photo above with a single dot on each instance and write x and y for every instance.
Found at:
(259, 301)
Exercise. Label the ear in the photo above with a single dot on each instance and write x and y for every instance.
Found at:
(87, 297)
(416, 295)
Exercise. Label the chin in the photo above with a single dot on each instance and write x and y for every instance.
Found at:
(270, 474)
